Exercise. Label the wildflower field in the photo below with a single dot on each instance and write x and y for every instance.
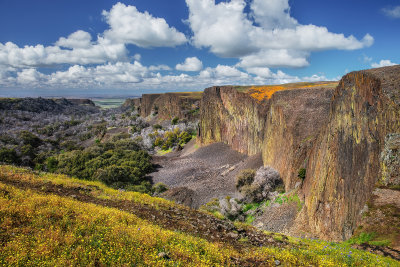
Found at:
(55, 220)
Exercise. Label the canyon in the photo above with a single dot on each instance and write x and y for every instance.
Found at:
(345, 136)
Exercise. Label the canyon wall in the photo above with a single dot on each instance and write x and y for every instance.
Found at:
(292, 124)
(233, 117)
(167, 106)
(347, 139)
(281, 127)
(348, 157)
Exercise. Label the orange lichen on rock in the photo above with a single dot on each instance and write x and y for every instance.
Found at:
(265, 92)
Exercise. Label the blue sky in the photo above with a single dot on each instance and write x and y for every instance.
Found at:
(98, 47)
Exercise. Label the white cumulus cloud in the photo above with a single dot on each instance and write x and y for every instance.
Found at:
(130, 26)
(228, 31)
(190, 64)
(127, 26)
(383, 63)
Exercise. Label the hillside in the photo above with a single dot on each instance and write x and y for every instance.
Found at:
(54, 220)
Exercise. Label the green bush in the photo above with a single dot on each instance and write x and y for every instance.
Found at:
(302, 173)
(51, 164)
(246, 177)
(157, 127)
(9, 156)
(159, 188)
(30, 139)
(117, 164)
(250, 193)
(174, 120)
(184, 138)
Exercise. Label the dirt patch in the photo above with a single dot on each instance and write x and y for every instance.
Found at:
(181, 195)
(277, 218)
(386, 197)
(209, 171)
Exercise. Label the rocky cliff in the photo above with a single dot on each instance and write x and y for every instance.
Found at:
(233, 117)
(274, 120)
(292, 124)
(167, 106)
(356, 149)
(347, 137)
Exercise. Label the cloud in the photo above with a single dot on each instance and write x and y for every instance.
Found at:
(275, 58)
(383, 63)
(393, 12)
(80, 52)
(129, 26)
(190, 64)
(228, 31)
(135, 76)
(78, 39)
(272, 14)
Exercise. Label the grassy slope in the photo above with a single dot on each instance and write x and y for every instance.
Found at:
(54, 220)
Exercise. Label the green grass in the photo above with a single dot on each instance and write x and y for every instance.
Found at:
(163, 152)
(368, 238)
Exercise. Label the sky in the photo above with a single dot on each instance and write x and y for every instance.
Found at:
(126, 48)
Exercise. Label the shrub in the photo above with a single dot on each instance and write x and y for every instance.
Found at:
(302, 173)
(157, 127)
(9, 156)
(250, 193)
(246, 177)
(184, 138)
(118, 164)
(30, 139)
(174, 120)
(159, 188)
(51, 164)
(158, 142)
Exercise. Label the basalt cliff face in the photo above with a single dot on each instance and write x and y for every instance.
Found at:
(232, 117)
(167, 106)
(282, 127)
(294, 119)
(347, 138)
(350, 154)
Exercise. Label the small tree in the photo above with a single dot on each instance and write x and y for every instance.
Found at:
(246, 177)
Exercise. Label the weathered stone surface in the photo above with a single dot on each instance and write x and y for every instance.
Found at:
(294, 119)
(232, 117)
(344, 164)
(167, 106)
(348, 140)
(282, 127)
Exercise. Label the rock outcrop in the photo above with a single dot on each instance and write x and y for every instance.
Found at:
(167, 106)
(233, 117)
(294, 119)
(346, 162)
(347, 140)
(282, 126)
